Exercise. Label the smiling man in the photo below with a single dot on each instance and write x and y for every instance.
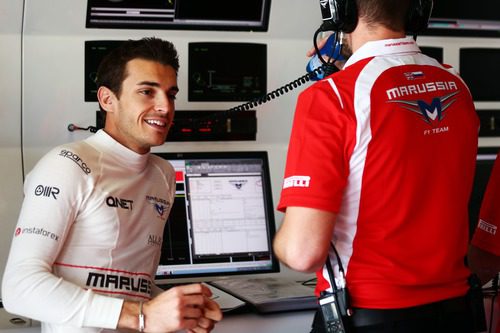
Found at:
(99, 202)
(149, 90)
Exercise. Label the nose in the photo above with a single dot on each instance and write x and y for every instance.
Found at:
(163, 103)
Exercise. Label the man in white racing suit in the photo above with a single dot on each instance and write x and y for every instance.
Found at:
(88, 239)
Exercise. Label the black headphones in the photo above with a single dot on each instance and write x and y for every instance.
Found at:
(418, 16)
(342, 15)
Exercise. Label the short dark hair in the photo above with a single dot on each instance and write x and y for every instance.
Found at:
(390, 13)
(112, 70)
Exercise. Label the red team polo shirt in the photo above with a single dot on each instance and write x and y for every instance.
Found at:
(486, 236)
(389, 145)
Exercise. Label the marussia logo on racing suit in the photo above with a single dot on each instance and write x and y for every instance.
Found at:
(161, 206)
(118, 282)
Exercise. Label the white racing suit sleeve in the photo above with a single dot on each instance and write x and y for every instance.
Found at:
(54, 193)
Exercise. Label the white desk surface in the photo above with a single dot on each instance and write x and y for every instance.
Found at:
(287, 322)
(249, 322)
(244, 322)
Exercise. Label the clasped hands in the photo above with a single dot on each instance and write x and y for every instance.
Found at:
(185, 307)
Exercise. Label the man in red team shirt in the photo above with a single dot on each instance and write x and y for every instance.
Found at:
(380, 164)
(484, 252)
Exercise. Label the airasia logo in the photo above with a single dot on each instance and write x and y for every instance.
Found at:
(18, 232)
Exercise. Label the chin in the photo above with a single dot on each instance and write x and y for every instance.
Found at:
(158, 141)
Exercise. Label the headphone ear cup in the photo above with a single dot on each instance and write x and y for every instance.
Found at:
(342, 15)
(350, 11)
(418, 16)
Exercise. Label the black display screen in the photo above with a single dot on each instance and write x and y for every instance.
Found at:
(95, 50)
(433, 52)
(480, 69)
(227, 71)
(222, 219)
(242, 15)
(463, 18)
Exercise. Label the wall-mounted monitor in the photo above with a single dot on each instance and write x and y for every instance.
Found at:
(241, 15)
(464, 18)
(433, 52)
(489, 122)
(95, 50)
(226, 71)
(222, 219)
(480, 69)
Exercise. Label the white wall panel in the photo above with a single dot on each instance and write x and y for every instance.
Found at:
(10, 119)
(54, 67)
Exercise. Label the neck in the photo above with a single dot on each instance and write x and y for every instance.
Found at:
(365, 32)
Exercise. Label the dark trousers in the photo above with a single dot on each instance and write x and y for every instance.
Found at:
(451, 315)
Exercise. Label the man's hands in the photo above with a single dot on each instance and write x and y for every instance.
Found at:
(186, 307)
(320, 43)
(312, 51)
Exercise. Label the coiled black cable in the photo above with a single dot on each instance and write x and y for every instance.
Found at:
(326, 69)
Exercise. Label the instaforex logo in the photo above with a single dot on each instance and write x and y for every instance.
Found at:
(36, 231)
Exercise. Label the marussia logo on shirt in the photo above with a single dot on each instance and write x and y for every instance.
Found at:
(161, 206)
(435, 111)
(487, 227)
(296, 181)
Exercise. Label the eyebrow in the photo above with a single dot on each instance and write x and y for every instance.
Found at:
(156, 84)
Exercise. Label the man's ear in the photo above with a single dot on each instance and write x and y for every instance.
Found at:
(107, 99)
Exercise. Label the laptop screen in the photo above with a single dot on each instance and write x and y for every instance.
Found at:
(222, 219)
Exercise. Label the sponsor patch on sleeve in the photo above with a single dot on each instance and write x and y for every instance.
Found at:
(487, 227)
(296, 181)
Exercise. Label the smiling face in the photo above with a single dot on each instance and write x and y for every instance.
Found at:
(142, 114)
